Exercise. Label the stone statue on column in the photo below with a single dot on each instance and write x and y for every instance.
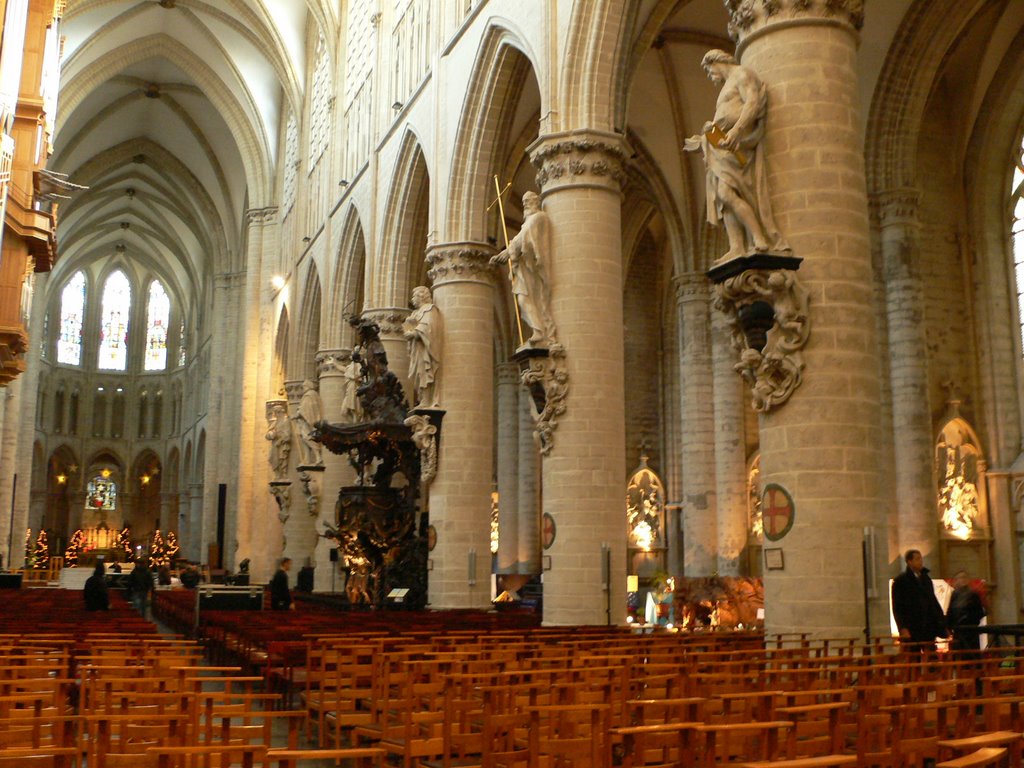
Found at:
(528, 254)
(310, 412)
(737, 180)
(279, 433)
(424, 331)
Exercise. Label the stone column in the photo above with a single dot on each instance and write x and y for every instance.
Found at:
(584, 476)
(251, 522)
(730, 453)
(460, 496)
(200, 551)
(508, 468)
(821, 445)
(528, 494)
(390, 320)
(913, 450)
(699, 511)
(300, 528)
(337, 471)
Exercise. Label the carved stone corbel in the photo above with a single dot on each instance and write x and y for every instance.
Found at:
(769, 323)
(546, 376)
(281, 490)
(424, 435)
(310, 478)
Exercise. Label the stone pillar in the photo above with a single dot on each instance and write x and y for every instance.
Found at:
(699, 511)
(528, 494)
(821, 445)
(252, 522)
(337, 471)
(390, 320)
(460, 496)
(584, 473)
(508, 468)
(200, 552)
(300, 528)
(730, 453)
(913, 450)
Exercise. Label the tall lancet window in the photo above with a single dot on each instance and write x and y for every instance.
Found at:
(72, 310)
(157, 318)
(117, 304)
(182, 350)
(1017, 231)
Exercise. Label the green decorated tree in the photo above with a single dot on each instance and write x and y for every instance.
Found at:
(74, 549)
(172, 547)
(41, 553)
(28, 547)
(158, 551)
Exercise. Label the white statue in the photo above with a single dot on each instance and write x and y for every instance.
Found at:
(424, 331)
(279, 433)
(529, 253)
(737, 180)
(351, 408)
(309, 413)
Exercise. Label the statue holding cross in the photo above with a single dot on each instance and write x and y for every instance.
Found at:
(527, 255)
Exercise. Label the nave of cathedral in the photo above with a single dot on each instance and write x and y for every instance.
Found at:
(744, 319)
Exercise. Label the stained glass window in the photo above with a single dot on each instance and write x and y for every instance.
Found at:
(72, 310)
(1017, 232)
(181, 345)
(157, 319)
(320, 102)
(117, 303)
(101, 493)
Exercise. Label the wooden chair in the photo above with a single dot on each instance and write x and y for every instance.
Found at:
(569, 736)
(43, 757)
(732, 742)
(983, 758)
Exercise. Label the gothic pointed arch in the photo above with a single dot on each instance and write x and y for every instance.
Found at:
(347, 296)
(404, 238)
(303, 365)
(925, 36)
(502, 64)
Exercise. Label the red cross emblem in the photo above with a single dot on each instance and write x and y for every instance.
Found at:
(547, 535)
(776, 511)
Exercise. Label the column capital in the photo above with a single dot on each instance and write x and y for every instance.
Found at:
(332, 362)
(749, 18)
(896, 207)
(692, 286)
(581, 158)
(460, 262)
(261, 216)
(388, 319)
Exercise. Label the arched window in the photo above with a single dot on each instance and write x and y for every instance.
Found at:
(320, 102)
(116, 306)
(1017, 232)
(158, 407)
(72, 311)
(58, 410)
(157, 318)
(99, 413)
(143, 413)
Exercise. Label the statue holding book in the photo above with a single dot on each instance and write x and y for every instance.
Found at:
(737, 180)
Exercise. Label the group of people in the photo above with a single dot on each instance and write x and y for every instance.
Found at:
(919, 617)
(140, 588)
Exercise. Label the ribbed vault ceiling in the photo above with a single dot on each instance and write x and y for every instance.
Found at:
(170, 112)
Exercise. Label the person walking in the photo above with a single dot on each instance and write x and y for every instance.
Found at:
(140, 584)
(280, 596)
(919, 616)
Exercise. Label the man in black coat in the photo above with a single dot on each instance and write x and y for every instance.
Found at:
(918, 614)
(280, 596)
(965, 610)
(95, 592)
